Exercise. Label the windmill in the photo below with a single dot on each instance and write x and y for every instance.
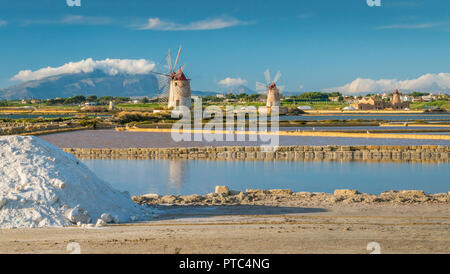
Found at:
(176, 87)
(273, 92)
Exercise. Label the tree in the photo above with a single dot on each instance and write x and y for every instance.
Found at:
(92, 98)
(416, 94)
(253, 97)
(75, 100)
(230, 96)
(313, 96)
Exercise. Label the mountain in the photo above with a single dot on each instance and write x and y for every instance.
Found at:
(94, 83)
(240, 89)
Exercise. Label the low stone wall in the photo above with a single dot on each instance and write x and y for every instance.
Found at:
(290, 153)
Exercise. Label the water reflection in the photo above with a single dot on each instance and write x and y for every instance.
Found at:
(176, 174)
(201, 176)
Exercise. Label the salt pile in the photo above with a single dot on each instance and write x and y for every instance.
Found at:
(40, 185)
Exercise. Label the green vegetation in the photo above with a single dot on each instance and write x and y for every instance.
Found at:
(127, 117)
(316, 105)
(92, 123)
(416, 94)
(142, 105)
(316, 100)
(313, 96)
(442, 104)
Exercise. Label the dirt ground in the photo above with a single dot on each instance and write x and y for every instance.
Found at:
(339, 228)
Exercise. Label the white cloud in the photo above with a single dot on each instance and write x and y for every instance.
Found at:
(85, 20)
(72, 20)
(304, 15)
(109, 66)
(232, 82)
(300, 87)
(3, 23)
(207, 24)
(428, 82)
(411, 26)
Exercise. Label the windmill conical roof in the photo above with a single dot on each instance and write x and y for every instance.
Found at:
(180, 75)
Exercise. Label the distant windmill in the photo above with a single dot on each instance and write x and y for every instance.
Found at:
(176, 87)
(273, 92)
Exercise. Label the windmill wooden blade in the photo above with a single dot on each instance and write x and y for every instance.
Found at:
(277, 77)
(260, 86)
(176, 60)
(163, 81)
(164, 87)
(267, 76)
(169, 62)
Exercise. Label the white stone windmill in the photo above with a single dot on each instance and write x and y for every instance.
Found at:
(176, 87)
(273, 92)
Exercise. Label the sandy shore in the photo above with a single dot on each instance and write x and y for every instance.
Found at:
(283, 226)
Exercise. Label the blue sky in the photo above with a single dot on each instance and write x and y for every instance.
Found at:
(317, 45)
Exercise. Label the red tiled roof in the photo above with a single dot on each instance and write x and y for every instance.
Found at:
(180, 75)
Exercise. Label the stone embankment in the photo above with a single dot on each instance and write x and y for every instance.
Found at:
(289, 153)
(286, 197)
(14, 128)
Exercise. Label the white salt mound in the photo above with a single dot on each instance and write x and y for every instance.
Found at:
(40, 185)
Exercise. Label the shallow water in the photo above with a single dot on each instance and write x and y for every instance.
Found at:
(16, 116)
(201, 176)
(33, 116)
(393, 117)
(116, 139)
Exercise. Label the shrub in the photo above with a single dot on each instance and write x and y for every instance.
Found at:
(94, 109)
(88, 123)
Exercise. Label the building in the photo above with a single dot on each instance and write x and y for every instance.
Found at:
(397, 102)
(180, 90)
(273, 96)
(407, 98)
(376, 103)
(351, 100)
(370, 103)
(111, 105)
(428, 98)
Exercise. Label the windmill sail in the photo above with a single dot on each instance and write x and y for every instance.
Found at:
(277, 77)
(169, 61)
(267, 76)
(165, 78)
(261, 87)
(176, 60)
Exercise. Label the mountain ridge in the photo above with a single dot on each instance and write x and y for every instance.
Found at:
(93, 83)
